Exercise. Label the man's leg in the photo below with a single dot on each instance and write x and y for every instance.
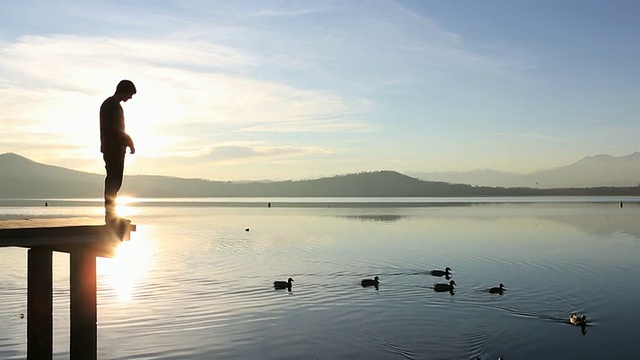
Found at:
(114, 164)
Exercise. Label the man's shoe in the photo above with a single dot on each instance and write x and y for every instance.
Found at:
(111, 219)
(118, 224)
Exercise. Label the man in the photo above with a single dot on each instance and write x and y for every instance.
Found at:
(113, 145)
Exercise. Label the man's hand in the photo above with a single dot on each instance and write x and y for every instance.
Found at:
(129, 142)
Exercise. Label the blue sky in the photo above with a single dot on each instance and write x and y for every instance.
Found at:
(249, 90)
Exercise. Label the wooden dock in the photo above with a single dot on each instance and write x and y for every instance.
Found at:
(84, 239)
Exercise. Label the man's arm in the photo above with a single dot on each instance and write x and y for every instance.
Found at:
(129, 142)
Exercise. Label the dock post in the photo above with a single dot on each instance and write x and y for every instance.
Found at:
(39, 303)
(83, 243)
(83, 305)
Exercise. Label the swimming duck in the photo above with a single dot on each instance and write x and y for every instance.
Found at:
(497, 290)
(444, 287)
(283, 284)
(440, 272)
(579, 321)
(370, 282)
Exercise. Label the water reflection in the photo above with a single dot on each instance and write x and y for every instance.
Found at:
(580, 321)
(374, 218)
(125, 208)
(605, 225)
(128, 267)
(217, 275)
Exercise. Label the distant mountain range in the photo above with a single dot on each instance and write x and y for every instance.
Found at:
(592, 171)
(21, 178)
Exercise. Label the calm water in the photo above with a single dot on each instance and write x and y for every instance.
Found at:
(194, 284)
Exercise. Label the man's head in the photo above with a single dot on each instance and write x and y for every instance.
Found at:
(125, 90)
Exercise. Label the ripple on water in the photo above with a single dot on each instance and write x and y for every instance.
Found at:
(209, 291)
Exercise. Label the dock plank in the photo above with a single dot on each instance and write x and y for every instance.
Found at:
(63, 234)
(49, 222)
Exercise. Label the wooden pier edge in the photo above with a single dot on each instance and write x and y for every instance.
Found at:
(84, 243)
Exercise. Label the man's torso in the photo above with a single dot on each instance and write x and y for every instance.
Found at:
(111, 126)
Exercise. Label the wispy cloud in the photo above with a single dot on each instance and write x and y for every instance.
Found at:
(58, 82)
(222, 154)
(309, 80)
(193, 163)
(68, 62)
(319, 126)
(292, 10)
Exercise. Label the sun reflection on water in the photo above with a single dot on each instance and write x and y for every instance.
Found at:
(124, 206)
(129, 266)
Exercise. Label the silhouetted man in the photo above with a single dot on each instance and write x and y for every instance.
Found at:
(113, 145)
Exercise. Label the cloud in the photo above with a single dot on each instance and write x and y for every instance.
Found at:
(196, 90)
(263, 82)
(223, 154)
(318, 126)
(212, 159)
(292, 11)
(364, 46)
(69, 62)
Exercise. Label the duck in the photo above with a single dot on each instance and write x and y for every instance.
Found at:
(440, 272)
(579, 321)
(283, 284)
(444, 287)
(497, 290)
(370, 282)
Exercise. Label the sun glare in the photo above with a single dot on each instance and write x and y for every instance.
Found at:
(124, 207)
(129, 266)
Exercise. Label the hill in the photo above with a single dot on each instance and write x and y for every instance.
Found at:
(592, 171)
(25, 179)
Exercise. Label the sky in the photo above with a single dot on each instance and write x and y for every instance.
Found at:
(256, 90)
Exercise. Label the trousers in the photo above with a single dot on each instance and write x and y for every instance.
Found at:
(114, 164)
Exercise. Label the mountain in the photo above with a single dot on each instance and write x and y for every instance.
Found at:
(599, 170)
(479, 177)
(592, 171)
(21, 178)
(24, 178)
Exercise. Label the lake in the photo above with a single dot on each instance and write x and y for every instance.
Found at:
(196, 279)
